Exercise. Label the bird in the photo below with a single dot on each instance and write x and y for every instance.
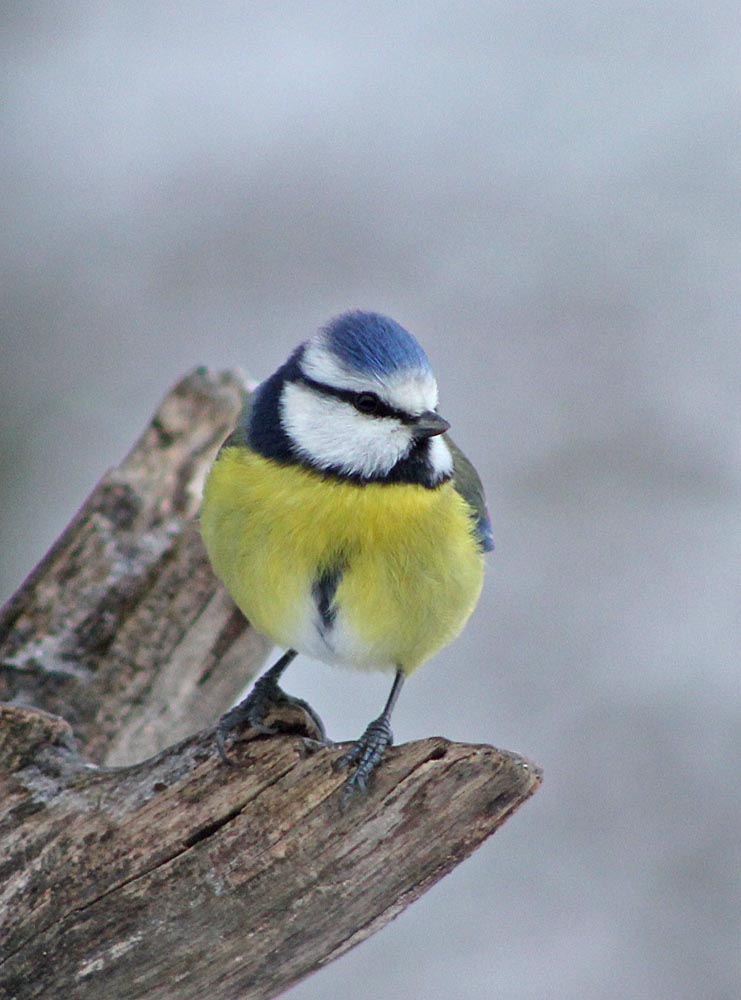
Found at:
(344, 522)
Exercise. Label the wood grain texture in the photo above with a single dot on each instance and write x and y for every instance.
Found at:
(181, 877)
(173, 875)
(123, 629)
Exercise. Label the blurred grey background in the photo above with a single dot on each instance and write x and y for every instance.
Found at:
(548, 196)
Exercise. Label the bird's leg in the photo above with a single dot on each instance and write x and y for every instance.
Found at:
(366, 754)
(252, 711)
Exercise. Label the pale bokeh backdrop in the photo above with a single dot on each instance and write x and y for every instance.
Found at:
(548, 196)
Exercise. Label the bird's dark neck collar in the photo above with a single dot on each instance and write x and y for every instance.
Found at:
(263, 431)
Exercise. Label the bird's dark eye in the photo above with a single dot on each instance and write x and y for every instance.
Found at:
(367, 402)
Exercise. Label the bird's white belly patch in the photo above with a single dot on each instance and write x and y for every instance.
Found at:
(336, 643)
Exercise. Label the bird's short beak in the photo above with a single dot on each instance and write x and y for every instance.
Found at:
(428, 424)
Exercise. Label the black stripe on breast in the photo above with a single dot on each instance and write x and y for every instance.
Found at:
(324, 590)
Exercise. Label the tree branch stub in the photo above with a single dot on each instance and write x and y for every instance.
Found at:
(173, 875)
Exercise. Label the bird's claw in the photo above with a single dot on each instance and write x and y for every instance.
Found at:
(243, 714)
(265, 698)
(365, 755)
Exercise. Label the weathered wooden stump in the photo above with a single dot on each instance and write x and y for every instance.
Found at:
(170, 874)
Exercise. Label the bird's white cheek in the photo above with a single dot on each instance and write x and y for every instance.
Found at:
(440, 458)
(331, 433)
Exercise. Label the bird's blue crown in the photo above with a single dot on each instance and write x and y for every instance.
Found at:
(372, 344)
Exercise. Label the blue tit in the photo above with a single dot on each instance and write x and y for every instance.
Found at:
(343, 521)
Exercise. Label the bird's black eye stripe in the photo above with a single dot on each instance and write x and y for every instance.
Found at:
(365, 402)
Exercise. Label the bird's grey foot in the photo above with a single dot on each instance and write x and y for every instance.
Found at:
(365, 756)
(268, 699)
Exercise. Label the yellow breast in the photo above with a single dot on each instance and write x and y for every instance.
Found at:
(411, 570)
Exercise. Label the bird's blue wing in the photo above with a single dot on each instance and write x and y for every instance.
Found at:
(467, 483)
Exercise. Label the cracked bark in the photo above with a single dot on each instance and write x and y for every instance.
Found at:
(175, 876)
